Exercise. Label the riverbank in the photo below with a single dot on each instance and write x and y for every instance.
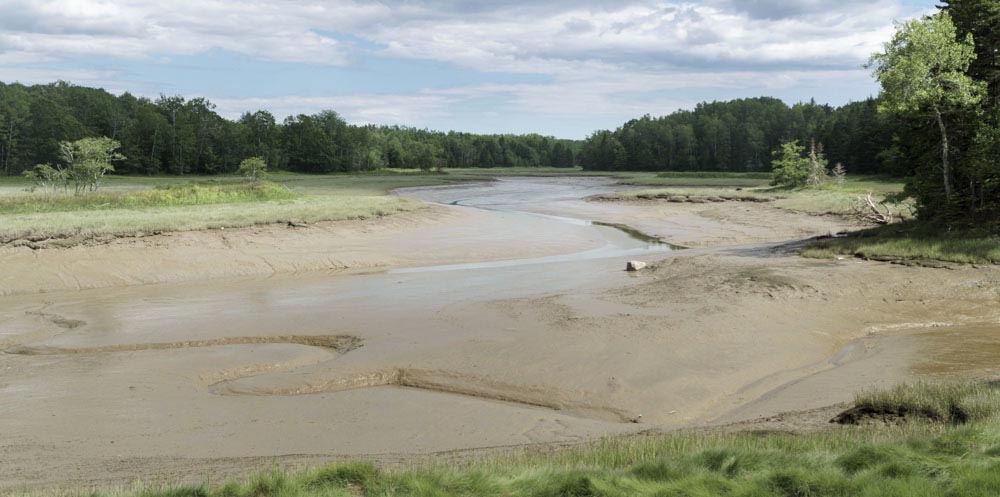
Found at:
(417, 234)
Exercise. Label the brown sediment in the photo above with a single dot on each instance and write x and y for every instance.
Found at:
(58, 320)
(339, 343)
(454, 361)
(429, 236)
(450, 382)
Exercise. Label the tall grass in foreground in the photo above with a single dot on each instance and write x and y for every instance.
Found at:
(917, 458)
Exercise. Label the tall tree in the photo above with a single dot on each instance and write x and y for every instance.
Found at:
(923, 70)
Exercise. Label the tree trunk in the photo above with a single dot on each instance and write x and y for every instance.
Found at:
(8, 147)
(945, 168)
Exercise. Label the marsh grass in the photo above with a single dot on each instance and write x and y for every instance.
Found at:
(130, 206)
(953, 402)
(700, 179)
(169, 195)
(913, 241)
(828, 199)
(920, 457)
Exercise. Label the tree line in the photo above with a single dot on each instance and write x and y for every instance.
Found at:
(742, 135)
(174, 135)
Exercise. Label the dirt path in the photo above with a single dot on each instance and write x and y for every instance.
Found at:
(210, 379)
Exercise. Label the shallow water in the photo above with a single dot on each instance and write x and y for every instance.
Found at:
(526, 197)
(278, 304)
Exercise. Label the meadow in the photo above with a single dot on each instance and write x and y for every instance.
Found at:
(131, 206)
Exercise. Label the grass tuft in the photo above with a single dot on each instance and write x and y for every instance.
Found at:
(953, 403)
(357, 474)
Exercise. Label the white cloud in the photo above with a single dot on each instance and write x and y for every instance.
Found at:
(652, 34)
(512, 35)
(600, 57)
(280, 31)
(357, 109)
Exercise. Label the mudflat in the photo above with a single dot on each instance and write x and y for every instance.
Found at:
(498, 317)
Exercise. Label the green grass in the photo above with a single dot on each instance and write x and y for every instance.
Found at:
(948, 458)
(952, 402)
(130, 206)
(161, 196)
(700, 179)
(912, 241)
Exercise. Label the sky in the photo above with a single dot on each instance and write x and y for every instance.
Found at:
(562, 68)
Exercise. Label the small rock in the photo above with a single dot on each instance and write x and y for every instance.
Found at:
(634, 265)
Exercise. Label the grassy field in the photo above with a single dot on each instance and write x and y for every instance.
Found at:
(950, 455)
(127, 206)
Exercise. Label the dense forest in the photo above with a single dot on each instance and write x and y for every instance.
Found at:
(173, 135)
(741, 135)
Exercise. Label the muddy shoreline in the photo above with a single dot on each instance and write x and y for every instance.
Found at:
(295, 346)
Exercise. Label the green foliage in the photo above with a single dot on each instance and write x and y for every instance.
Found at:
(741, 135)
(603, 151)
(46, 176)
(939, 76)
(88, 160)
(253, 169)
(924, 67)
(175, 135)
(789, 167)
(923, 70)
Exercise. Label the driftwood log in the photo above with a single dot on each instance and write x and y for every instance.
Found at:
(873, 212)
